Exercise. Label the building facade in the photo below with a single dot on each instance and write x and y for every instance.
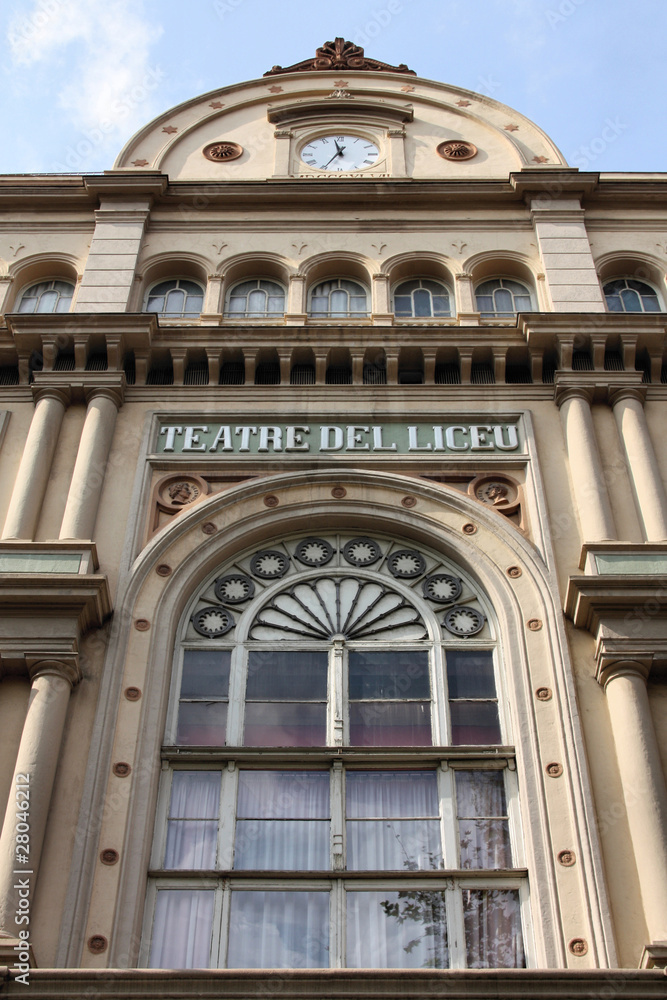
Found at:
(332, 576)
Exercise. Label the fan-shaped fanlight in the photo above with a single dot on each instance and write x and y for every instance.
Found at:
(353, 608)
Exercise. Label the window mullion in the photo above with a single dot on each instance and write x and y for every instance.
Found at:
(237, 685)
(223, 903)
(514, 815)
(456, 935)
(337, 793)
(336, 693)
(448, 824)
(164, 797)
(439, 720)
(337, 928)
(226, 831)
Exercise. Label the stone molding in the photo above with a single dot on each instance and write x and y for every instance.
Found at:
(65, 667)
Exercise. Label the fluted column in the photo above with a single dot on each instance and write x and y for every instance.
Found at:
(88, 477)
(37, 760)
(647, 484)
(33, 475)
(642, 781)
(588, 482)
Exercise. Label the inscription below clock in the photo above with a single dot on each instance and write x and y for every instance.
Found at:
(340, 152)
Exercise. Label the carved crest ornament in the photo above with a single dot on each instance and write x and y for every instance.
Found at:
(340, 55)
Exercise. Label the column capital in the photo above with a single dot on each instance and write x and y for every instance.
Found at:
(115, 393)
(619, 393)
(616, 657)
(62, 393)
(463, 276)
(566, 389)
(65, 667)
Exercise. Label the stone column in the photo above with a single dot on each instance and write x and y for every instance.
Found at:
(33, 475)
(590, 490)
(466, 306)
(647, 485)
(88, 477)
(643, 783)
(39, 750)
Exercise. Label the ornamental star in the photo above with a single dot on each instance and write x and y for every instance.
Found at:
(540, 159)
(511, 128)
(139, 163)
(341, 83)
(216, 104)
(275, 90)
(463, 104)
(169, 129)
(407, 89)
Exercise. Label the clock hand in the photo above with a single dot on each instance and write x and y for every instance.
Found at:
(332, 159)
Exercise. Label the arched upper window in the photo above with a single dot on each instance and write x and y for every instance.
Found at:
(177, 298)
(47, 297)
(318, 683)
(630, 295)
(502, 298)
(421, 297)
(338, 299)
(256, 298)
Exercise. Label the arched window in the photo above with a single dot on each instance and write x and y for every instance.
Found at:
(421, 297)
(177, 298)
(630, 295)
(502, 298)
(256, 298)
(335, 714)
(47, 297)
(338, 299)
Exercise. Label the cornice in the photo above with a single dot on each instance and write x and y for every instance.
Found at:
(340, 108)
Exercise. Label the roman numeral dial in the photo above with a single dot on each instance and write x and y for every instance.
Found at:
(336, 153)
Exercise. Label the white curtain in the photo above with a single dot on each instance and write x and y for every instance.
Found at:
(392, 820)
(193, 820)
(396, 930)
(493, 929)
(482, 815)
(283, 821)
(182, 929)
(279, 930)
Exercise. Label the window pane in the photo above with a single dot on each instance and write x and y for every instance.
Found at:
(441, 305)
(175, 302)
(191, 844)
(282, 845)
(64, 303)
(287, 674)
(485, 304)
(393, 845)
(376, 794)
(195, 795)
(285, 724)
(202, 723)
(205, 673)
(474, 723)
(283, 794)
(358, 304)
(503, 301)
(402, 305)
(389, 674)
(257, 302)
(47, 302)
(276, 304)
(422, 300)
(237, 304)
(404, 930)
(193, 305)
(483, 826)
(493, 929)
(470, 674)
(388, 723)
(614, 303)
(193, 820)
(182, 929)
(279, 930)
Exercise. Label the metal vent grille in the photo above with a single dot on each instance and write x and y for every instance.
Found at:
(481, 374)
(232, 373)
(518, 375)
(613, 362)
(267, 373)
(412, 377)
(582, 362)
(196, 373)
(338, 375)
(97, 363)
(130, 368)
(9, 374)
(374, 375)
(548, 371)
(447, 374)
(64, 362)
(302, 375)
(161, 373)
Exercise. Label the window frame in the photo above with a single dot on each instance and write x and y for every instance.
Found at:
(329, 315)
(46, 281)
(427, 319)
(495, 315)
(229, 314)
(633, 312)
(177, 279)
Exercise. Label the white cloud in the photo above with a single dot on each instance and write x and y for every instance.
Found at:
(99, 51)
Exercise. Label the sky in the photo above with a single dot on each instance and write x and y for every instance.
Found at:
(81, 76)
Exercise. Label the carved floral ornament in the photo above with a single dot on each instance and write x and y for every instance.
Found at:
(340, 55)
(341, 586)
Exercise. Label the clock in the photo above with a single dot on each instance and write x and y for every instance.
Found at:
(340, 152)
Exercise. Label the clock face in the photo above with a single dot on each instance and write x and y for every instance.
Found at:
(340, 152)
